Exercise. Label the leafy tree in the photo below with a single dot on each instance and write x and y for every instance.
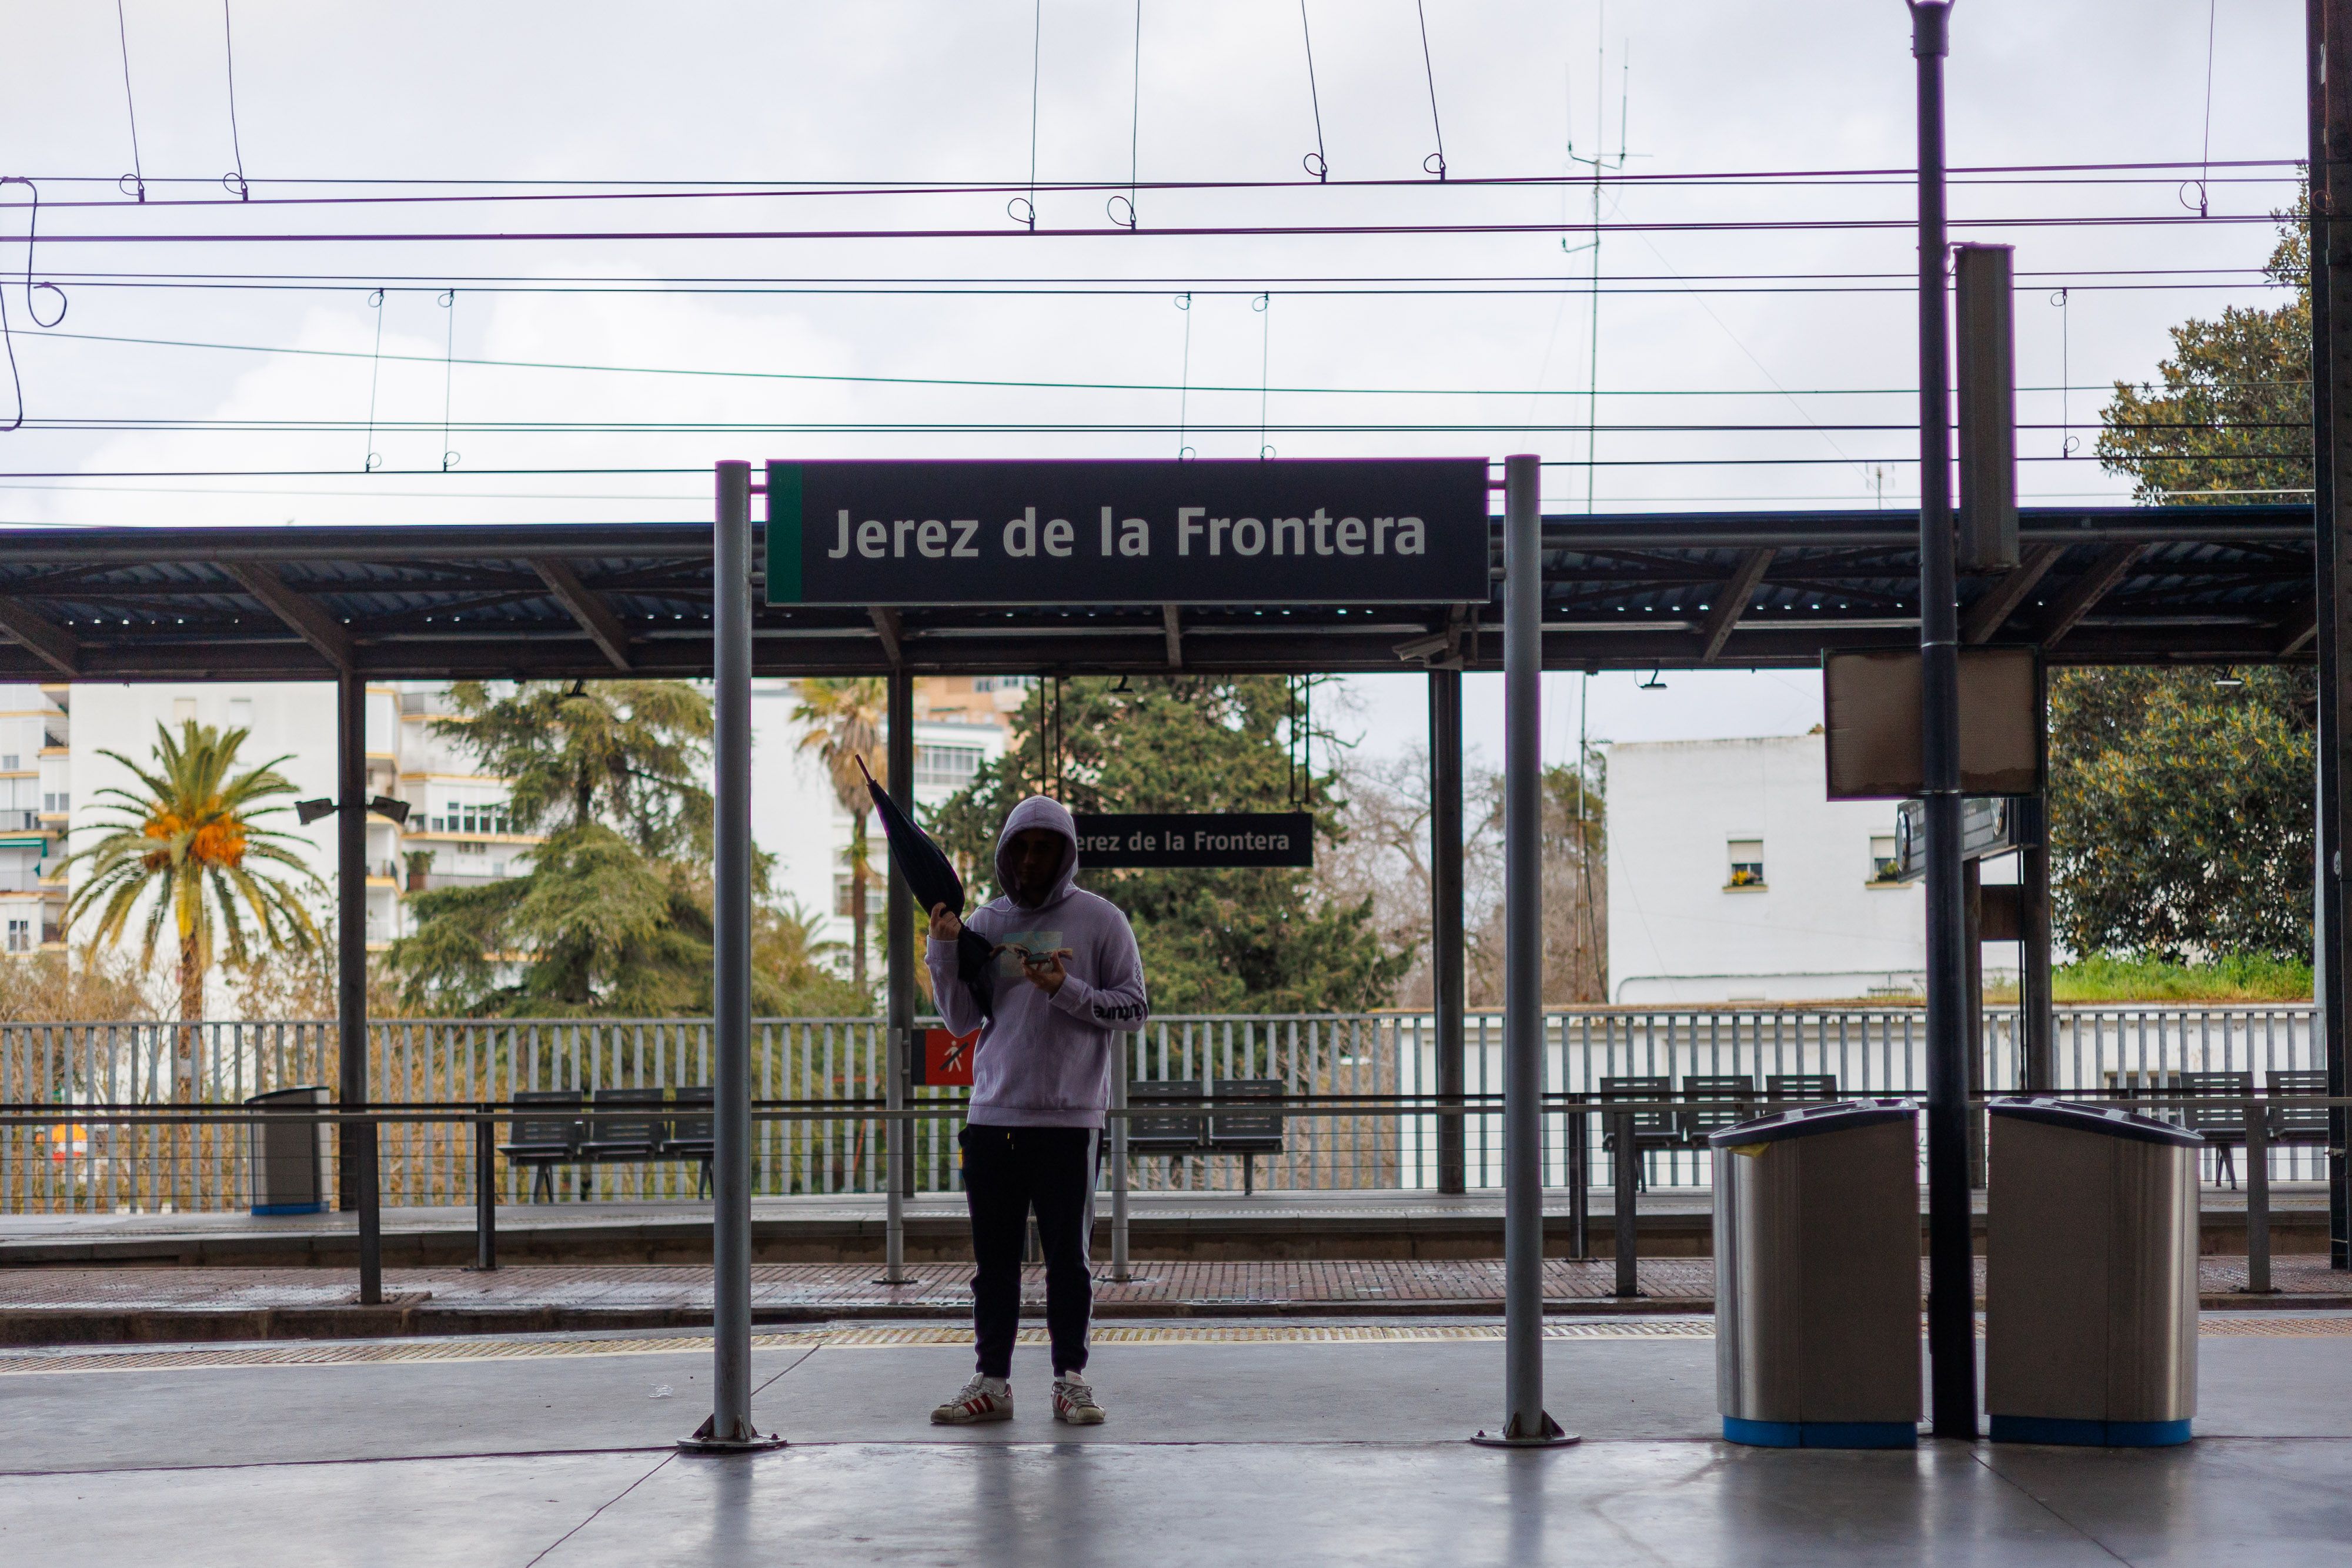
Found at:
(2180, 803)
(844, 720)
(1255, 939)
(614, 915)
(2232, 418)
(2181, 812)
(631, 753)
(189, 844)
(1385, 858)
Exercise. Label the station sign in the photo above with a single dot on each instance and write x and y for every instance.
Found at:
(1164, 839)
(1280, 531)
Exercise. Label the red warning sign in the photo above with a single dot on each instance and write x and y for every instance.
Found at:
(946, 1058)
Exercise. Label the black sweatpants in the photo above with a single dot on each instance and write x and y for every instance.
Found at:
(1008, 1171)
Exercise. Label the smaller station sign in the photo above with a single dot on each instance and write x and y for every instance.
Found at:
(1306, 531)
(1126, 840)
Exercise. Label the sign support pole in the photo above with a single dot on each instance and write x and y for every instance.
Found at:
(730, 1428)
(899, 913)
(1526, 1425)
(1445, 979)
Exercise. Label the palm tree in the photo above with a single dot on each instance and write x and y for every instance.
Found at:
(845, 719)
(189, 844)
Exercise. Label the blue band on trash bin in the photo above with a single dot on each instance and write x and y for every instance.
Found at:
(1822, 1433)
(2089, 1434)
(289, 1208)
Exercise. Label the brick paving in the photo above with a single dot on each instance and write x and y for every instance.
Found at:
(586, 1294)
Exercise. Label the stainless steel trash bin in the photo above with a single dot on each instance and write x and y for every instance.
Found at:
(286, 1157)
(2090, 1276)
(1817, 1276)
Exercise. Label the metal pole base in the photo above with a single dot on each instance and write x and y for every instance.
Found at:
(746, 1441)
(1552, 1437)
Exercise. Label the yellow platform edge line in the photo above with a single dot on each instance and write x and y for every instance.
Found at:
(921, 1336)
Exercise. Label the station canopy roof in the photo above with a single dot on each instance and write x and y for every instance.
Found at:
(2095, 585)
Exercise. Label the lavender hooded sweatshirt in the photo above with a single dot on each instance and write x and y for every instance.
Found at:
(1044, 1061)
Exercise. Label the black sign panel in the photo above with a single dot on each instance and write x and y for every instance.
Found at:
(1222, 839)
(1410, 530)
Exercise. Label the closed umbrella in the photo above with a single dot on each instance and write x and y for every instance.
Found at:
(932, 878)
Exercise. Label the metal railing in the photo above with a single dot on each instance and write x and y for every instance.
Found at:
(64, 1165)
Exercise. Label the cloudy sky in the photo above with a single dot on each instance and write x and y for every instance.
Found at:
(265, 364)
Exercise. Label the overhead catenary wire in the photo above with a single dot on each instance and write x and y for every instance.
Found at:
(2213, 16)
(31, 234)
(375, 369)
(1264, 367)
(1023, 209)
(1196, 231)
(1006, 383)
(1134, 131)
(1435, 163)
(1404, 285)
(703, 470)
(234, 180)
(1184, 426)
(2289, 170)
(131, 105)
(1184, 385)
(448, 377)
(1315, 162)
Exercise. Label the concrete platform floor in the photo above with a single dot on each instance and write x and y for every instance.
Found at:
(1281, 1448)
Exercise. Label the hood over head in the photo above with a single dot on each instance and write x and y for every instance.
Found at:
(1040, 811)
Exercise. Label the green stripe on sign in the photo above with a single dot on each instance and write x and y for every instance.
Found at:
(783, 533)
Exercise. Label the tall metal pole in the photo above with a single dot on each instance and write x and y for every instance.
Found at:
(2328, 35)
(1526, 1422)
(359, 1144)
(2037, 1025)
(1446, 978)
(729, 1427)
(898, 910)
(1951, 1284)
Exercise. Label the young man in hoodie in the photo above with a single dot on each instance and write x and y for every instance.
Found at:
(1065, 983)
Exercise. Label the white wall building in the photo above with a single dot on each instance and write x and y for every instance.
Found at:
(456, 832)
(1733, 878)
(961, 724)
(33, 731)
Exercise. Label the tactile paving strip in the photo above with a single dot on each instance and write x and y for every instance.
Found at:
(364, 1352)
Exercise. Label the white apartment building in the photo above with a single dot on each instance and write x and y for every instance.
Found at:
(33, 800)
(457, 830)
(962, 724)
(1732, 877)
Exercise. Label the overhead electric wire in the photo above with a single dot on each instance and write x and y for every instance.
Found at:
(1202, 231)
(1181, 426)
(1035, 283)
(236, 145)
(131, 105)
(1895, 460)
(2153, 172)
(1003, 383)
(905, 289)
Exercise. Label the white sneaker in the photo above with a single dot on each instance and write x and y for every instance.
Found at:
(982, 1399)
(1074, 1402)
